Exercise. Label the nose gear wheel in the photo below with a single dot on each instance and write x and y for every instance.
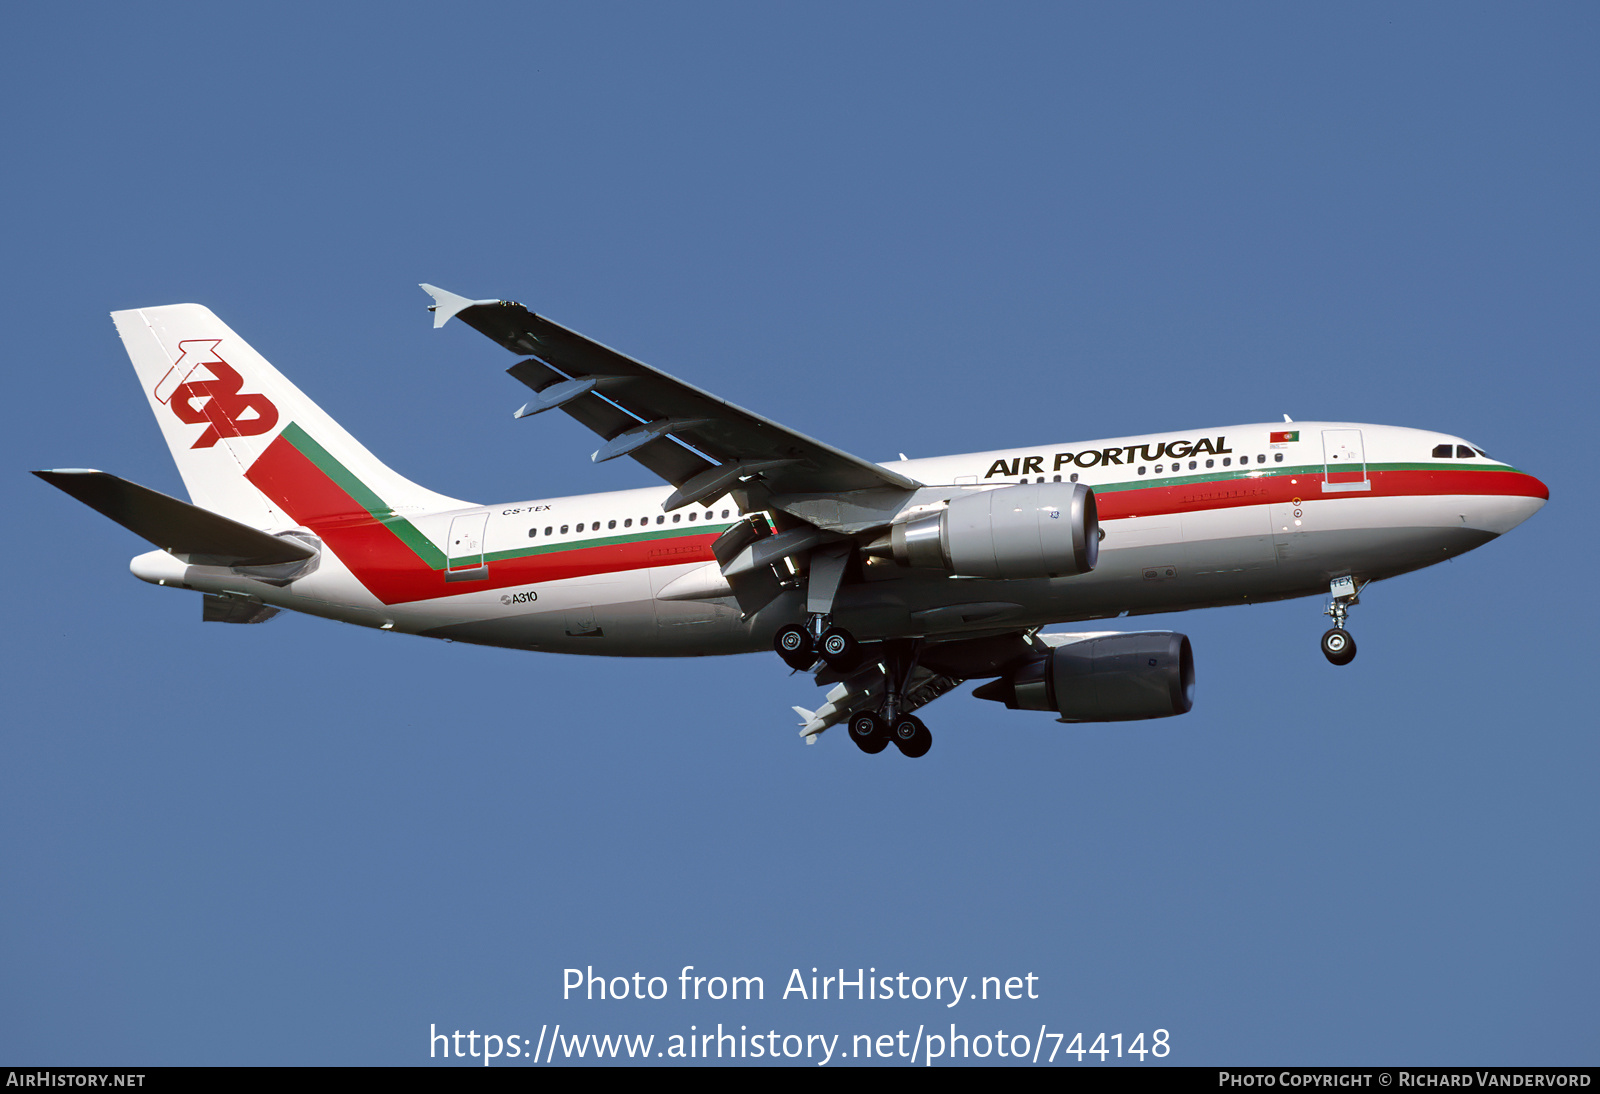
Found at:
(1339, 646)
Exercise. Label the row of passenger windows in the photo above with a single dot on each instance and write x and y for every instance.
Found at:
(1442, 452)
(1227, 461)
(1194, 465)
(594, 525)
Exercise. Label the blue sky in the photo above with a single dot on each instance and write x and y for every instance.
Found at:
(899, 228)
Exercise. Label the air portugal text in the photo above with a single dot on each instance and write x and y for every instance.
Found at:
(1133, 453)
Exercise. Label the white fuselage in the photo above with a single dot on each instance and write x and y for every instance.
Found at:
(1192, 519)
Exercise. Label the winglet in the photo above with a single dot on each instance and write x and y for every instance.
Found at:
(446, 305)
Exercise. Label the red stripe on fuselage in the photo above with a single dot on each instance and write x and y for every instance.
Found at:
(394, 574)
(1269, 489)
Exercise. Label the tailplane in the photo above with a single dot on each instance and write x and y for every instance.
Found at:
(247, 442)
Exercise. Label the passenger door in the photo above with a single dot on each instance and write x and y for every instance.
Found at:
(1344, 460)
(464, 548)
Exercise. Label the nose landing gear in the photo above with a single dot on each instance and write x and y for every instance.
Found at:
(1338, 645)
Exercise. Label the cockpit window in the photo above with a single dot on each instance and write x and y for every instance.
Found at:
(1464, 453)
(1441, 452)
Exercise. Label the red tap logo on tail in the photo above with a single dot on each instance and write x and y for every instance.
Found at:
(222, 408)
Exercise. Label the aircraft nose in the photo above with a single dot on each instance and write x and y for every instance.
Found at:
(1516, 497)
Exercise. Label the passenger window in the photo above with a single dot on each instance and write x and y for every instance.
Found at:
(724, 514)
(628, 523)
(1277, 457)
(691, 514)
(661, 520)
(1158, 469)
(1441, 452)
(563, 529)
(549, 531)
(611, 524)
(676, 517)
(1261, 457)
(1074, 476)
(532, 532)
(1141, 470)
(1193, 464)
(1463, 452)
(1211, 463)
(1227, 461)
(1056, 479)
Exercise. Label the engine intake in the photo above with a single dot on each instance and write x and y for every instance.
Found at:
(1104, 678)
(1042, 529)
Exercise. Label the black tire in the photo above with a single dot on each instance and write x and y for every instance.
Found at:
(1339, 646)
(911, 737)
(869, 732)
(794, 645)
(839, 649)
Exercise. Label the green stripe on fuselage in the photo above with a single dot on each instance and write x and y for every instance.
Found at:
(607, 541)
(422, 546)
(380, 511)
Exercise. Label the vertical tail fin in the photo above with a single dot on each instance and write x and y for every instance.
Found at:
(247, 442)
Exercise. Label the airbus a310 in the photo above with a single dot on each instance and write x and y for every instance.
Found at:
(892, 583)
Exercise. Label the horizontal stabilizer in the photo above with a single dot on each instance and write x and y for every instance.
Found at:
(176, 526)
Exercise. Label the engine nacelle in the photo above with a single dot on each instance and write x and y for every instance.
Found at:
(1041, 529)
(1104, 678)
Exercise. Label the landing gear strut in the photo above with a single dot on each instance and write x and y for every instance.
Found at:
(1338, 645)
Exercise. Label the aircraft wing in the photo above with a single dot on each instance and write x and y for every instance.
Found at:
(644, 413)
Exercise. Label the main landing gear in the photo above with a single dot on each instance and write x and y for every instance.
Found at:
(873, 733)
(801, 646)
(1338, 645)
(871, 730)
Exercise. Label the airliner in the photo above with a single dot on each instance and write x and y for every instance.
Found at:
(891, 583)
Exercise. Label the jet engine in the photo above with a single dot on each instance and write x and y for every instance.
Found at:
(1042, 529)
(1103, 678)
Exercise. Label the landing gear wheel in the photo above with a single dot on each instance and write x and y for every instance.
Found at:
(869, 732)
(1338, 646)
(794, 646)
(840, 649)
(911, 737)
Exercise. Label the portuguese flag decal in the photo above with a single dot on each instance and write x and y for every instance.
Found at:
(1285, 438)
